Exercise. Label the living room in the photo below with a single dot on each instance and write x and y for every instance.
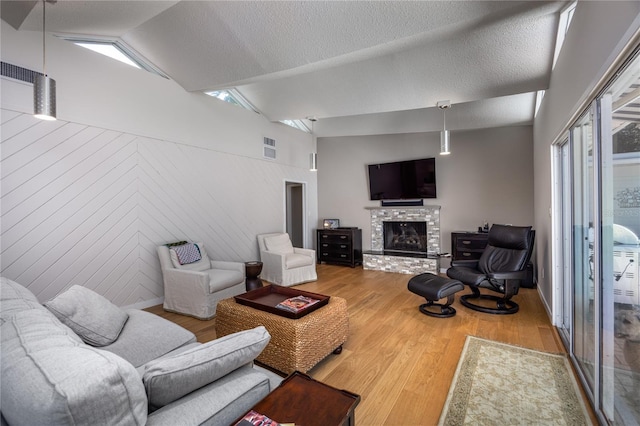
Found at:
(135, 160)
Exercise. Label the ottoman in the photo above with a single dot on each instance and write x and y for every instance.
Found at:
(296, 344)
(433, 288)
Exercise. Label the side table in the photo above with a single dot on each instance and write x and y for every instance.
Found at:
(308, 402)
(252, 271)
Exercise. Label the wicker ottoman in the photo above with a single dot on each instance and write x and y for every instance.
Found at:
(296, 344)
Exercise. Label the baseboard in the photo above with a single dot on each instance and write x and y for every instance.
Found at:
(145, 304)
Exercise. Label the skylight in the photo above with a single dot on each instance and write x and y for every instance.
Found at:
(297, 124)
(109, 50)
(233, 97)
(115, 49)
(563, 26)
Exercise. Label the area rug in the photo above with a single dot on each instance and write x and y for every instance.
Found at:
(500, 384)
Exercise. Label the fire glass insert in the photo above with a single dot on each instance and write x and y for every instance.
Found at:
(405, 236)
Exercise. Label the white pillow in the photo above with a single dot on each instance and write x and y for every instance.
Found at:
(280, 244)
(169, 379)
(91, 316)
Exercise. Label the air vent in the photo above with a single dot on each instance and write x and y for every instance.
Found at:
(18, 73)
(269, 153)
(269, 148)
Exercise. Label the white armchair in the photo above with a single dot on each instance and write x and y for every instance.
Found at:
(284, 264)
(194, 289)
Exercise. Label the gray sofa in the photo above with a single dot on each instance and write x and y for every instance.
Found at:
(78, 359)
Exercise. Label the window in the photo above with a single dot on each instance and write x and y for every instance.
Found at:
(115, 49)
(563, 26)
(233, 97)
(297, 124)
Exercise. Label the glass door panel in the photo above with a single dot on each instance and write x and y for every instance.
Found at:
(583, 339)
(620, 193)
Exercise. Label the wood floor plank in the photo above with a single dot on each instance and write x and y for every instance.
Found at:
(400, 361)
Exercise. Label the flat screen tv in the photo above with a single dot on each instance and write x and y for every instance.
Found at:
(403, 180)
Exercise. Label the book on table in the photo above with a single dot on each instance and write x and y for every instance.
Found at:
(297, 303)
(253, 418)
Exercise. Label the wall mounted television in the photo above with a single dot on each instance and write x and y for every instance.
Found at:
(403, 180)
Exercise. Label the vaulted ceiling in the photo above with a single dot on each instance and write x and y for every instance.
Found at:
(361, 67)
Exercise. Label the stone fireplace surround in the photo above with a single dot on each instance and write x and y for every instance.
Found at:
(378, 260)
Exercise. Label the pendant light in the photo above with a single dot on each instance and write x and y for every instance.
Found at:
(444, 135)
(44, 88)
(313, 157)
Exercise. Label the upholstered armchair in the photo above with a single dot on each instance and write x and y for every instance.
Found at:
(284, 264)
(501, 268)
(193, 283)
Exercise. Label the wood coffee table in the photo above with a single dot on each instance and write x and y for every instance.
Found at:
(304, 401)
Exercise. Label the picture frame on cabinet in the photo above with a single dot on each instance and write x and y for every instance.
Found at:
(331, 223)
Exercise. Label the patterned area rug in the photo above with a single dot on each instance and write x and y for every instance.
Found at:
(500, 384)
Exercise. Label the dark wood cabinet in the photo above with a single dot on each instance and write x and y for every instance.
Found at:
(340, 246)
(468, 245)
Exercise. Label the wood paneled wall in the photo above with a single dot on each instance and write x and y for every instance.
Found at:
(88, 206)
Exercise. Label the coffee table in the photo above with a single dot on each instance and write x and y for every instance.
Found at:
(296, 344)
(304, 401)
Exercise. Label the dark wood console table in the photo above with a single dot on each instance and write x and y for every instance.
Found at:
(468, 245)
(342, 246)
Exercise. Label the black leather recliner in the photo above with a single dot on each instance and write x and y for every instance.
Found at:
(501, 268)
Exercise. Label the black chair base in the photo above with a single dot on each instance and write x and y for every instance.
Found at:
(434, 288)
(503, 306)
(446, 310)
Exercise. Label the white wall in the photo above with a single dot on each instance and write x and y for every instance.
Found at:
(598, 33)
(133, 161)
(488, 176)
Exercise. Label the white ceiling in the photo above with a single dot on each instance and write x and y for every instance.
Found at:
(362, 67)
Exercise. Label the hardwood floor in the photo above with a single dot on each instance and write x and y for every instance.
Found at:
(399, 360)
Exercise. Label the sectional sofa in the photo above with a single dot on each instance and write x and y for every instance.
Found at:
(78, 359)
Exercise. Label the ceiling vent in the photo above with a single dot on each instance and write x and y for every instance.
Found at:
(269, 148)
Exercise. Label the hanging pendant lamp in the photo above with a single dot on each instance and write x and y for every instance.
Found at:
(313, 157)
(445, 142)
(44, 87)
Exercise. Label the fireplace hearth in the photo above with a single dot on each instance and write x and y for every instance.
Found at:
(405, 237)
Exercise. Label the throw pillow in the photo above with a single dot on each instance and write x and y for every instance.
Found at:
(169, 379)
(187, 253)
(95, 319)
(280, 244)
(201, 265)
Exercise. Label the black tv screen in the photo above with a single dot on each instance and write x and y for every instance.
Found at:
(403, 180)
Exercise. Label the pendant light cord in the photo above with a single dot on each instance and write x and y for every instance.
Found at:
(44, 61)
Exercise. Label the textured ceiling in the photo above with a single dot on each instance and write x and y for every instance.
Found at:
(353, 65)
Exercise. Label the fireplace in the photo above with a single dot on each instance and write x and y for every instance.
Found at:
(405, 237)
(400, 260)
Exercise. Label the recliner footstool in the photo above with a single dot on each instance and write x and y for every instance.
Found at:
(433, 288)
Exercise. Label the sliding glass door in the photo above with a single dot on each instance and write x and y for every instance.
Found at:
(598, 170)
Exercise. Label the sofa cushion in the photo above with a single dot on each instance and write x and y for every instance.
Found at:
(15, 298)
(169, 379)
(94, 318)
(201, 265)
(219, 403)
(49, 377)
(296, 260)
(280, 244)
(219, 279)
(146, 337)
